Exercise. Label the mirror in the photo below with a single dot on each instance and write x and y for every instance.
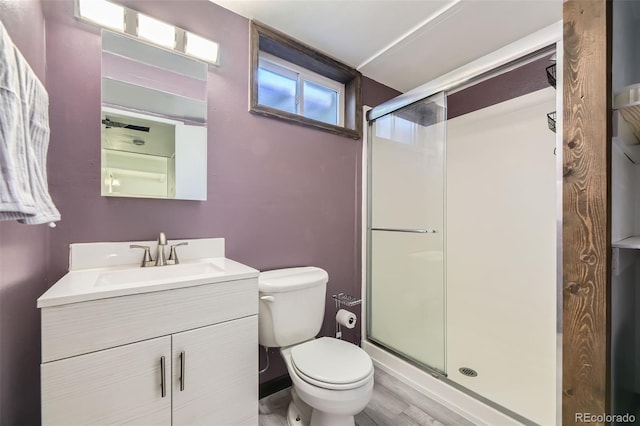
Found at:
(154, 121)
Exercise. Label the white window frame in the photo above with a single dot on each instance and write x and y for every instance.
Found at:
(280, 66)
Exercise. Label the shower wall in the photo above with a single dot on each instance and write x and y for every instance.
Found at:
(501, 254)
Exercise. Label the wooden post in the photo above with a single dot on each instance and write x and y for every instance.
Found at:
(586, 209)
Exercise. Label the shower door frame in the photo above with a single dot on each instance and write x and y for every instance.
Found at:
(499, 61)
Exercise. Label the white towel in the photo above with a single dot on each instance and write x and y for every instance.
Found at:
(24, 140)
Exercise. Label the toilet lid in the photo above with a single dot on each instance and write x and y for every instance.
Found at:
(330, 360)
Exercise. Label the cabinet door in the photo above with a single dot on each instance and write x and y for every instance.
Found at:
(215, 374)
(122, 385)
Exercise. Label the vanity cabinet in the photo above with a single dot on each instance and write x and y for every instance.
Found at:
(215, 380)
(113, 386)
(176, 357)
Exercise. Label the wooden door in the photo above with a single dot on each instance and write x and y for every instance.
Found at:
(122, 385)
(215, 374)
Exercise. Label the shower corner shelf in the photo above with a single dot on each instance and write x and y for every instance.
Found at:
(628, 243)
(551, 78)
(551, 75)
(625, 136)
(551, 121)
(627, 103)
(346, 300)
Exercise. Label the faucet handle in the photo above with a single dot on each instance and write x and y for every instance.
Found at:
(173, 255)
(147, 254)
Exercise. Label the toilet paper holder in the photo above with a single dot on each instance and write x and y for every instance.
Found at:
(345, 300)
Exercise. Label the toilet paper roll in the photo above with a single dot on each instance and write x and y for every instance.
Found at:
(346, 318)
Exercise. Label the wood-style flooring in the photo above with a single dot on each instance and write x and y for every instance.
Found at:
(393, 404)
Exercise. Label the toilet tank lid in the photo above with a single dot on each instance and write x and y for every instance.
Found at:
(280, 280)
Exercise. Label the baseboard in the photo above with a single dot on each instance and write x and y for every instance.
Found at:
(274, 385)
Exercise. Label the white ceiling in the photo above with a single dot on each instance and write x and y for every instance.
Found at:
(402, 43)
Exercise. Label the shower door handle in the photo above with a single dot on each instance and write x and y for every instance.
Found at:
(415, 231)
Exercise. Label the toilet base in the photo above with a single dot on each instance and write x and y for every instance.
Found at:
(300, 414)
(294, 416)
(320, 418)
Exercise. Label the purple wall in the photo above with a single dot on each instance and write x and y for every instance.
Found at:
(282, 195)
(374, 93)
(520, 81)
(23, 258)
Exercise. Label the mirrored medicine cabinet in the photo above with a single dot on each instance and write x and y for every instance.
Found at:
(153, 120)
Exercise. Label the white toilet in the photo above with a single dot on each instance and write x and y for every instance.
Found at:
(332, 379)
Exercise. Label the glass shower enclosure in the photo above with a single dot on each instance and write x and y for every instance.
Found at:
(406, 181)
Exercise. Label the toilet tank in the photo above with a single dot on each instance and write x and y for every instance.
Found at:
(291, 306)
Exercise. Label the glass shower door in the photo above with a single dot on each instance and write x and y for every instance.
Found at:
(405, 256)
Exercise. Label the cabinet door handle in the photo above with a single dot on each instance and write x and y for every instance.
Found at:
(163, 384)
(415, 231)
(183, 361)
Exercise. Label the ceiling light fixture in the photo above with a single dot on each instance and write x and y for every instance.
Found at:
(200, 47)
(136, 24)
(156, 31)
(103, 13)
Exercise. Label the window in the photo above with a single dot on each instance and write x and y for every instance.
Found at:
(296, 90)
(293, 82)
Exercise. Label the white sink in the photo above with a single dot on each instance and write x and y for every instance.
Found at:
(111, 269)
(153, 274)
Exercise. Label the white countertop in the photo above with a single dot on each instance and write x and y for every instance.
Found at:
(113, 280)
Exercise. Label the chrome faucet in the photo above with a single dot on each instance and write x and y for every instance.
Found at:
(147, 260)
(161, 258)
(173, 256)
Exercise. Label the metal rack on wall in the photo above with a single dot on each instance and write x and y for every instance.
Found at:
(551, 78)
(344, 300)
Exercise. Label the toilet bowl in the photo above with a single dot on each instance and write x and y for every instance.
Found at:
(332, 379)
(321, 382)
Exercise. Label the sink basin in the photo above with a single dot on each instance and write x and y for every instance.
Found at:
(153, 274)
(104, 270)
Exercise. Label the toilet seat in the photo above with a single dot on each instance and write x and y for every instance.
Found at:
(332, 364)
(332, 386)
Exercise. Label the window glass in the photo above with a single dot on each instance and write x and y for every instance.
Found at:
(276, 90)
(295, 91)
(320, 103)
